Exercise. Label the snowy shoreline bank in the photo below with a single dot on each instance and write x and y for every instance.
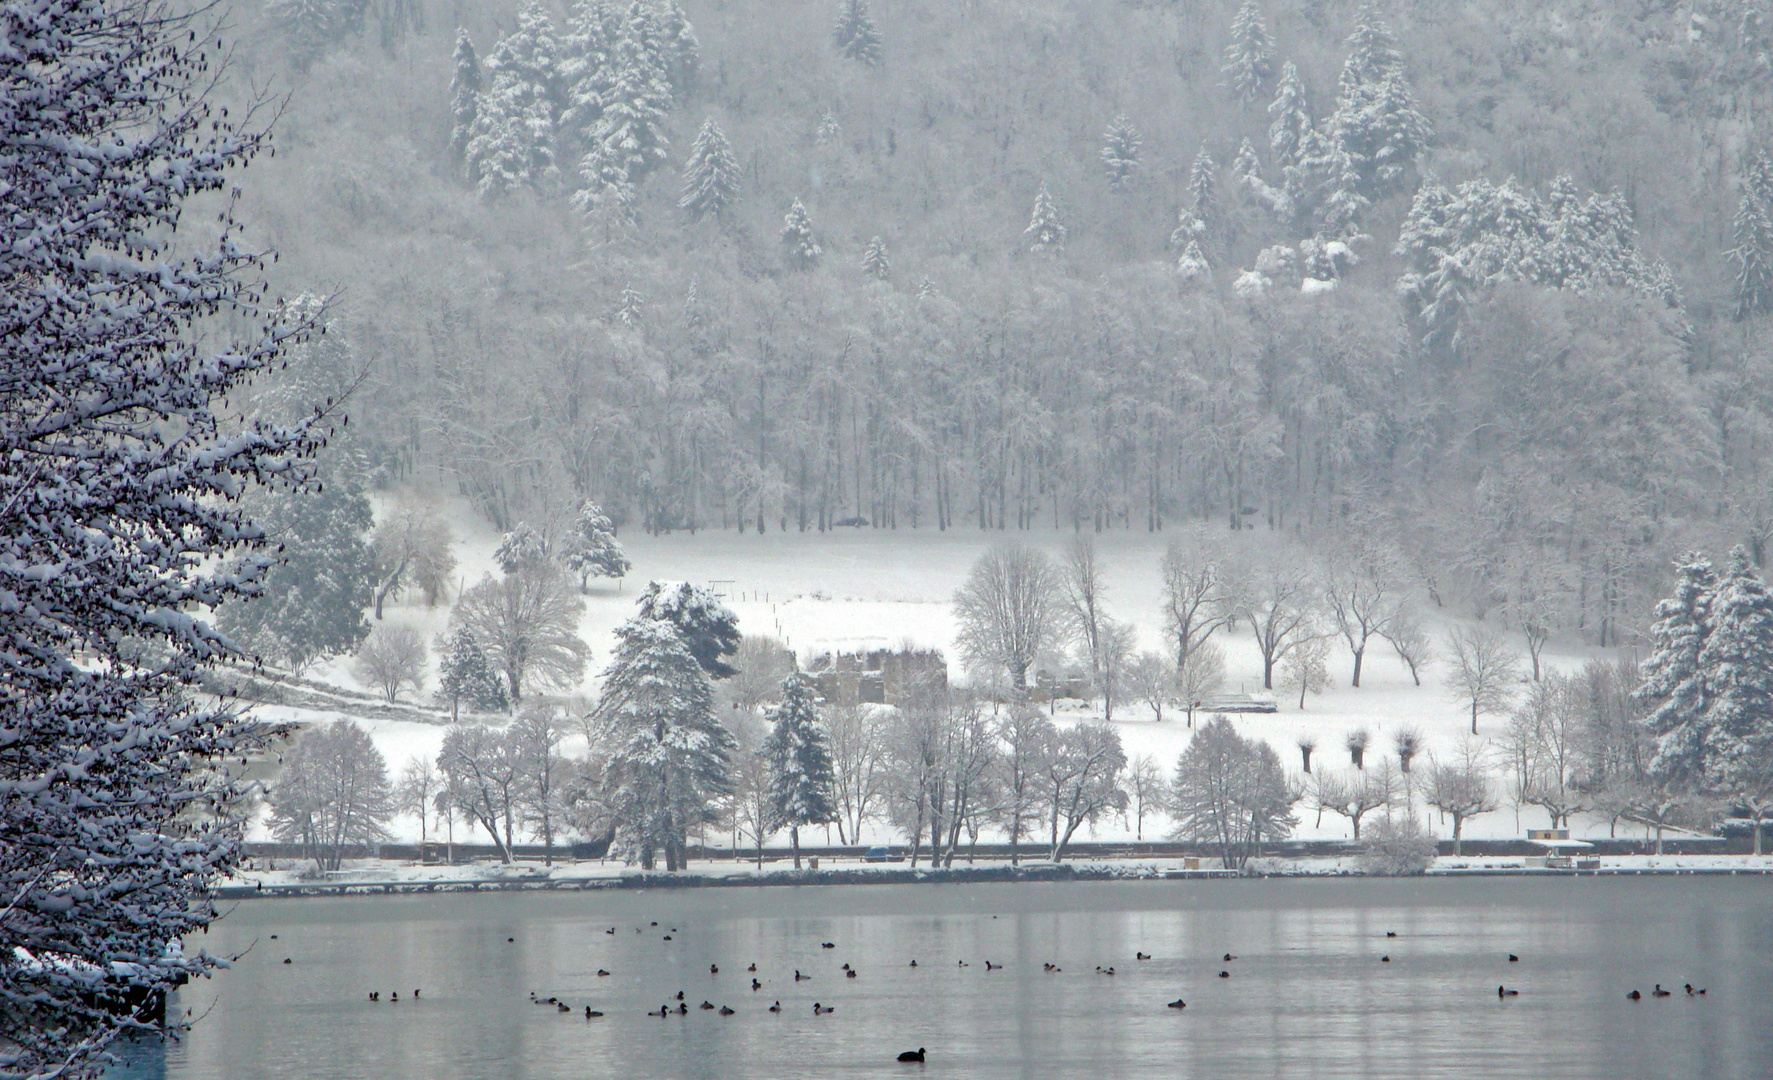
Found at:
(409, 880)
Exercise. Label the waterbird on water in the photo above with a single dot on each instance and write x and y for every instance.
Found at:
(1513, 959)
(1502, 993)
(1225, 974)
(713, 969)
(1634, 996)
(820, 1010)
(601, 973)
(1659, 991)
(755, 985)
(777, 1007)
(725, 1011)
(1177, 1004)
(912, 1055)
(1385, 959)
(590, 1012)
(1141, 956)
(1229, 958)
(753, 967)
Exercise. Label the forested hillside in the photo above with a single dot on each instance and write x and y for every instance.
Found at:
(1484, 279)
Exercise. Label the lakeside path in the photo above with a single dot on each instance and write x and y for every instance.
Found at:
(372, 877)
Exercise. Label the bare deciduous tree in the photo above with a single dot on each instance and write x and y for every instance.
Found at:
(1152, 680)
(1279, 600)
(392, 659)
(1410, 640)
(411, 550)
(332, 793)
(1197, 598)
(414, 791)
(1363, 602)
(1026, 738)
(1304, 669)
(1231, 792)
(1007, 611)
(1353, 797)
(1145, 789)
(858, 765)
(763, 663)
(1461, 789)
(527, 623)
(1082, 780)
(1484, 673)
(1201, 676)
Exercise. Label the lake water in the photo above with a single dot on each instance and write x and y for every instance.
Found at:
(1308, 996)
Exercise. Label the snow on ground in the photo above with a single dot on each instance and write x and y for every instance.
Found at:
(862, 588)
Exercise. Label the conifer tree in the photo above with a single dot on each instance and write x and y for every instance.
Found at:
(1290, 123)
(682, 52)
(1246, 164)
(1249, 57)
(587, 67)
(631, 312)
(711, 176)
(829, 130)
(1189, 229)
(628, 141)
(1737, 665)
(1120, 152)
(874, 260)
(855, 34)
(512, 140)
(926, 288)
(800, 247)
(1202, 184)
(1377, 122)
(801, 779)
(1753, 250)
(1675, 687)
(1046, 232)
(464, 90)
(1193, 266)
(592, 549)
(708, 627)
(465, 678)
(666, 751)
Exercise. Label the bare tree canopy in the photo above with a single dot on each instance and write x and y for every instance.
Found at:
(527, 623)
(392, 659)
(1008, 611)
(1231, 792)
(1484, 672)
(332, 793)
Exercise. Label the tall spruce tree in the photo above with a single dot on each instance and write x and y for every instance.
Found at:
(711, 176)
(855, 35)
(1737, 662)
(1249, 57)
(681, 51)
(512, 141)
(592, 549)
(1202, 185)
(1674, 685)
(1377, 122)
(629, 140)
(1120, 152)
(1753, 235)
(587, 67)
(464, 92)
(1290, 122)
(666, 752)
(801, 779)
(874, 260)
(799, 246)
(1046, 231)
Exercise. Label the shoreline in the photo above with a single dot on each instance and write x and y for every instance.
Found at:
(968, 875)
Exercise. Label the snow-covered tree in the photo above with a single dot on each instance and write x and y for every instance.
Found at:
(587, 66)
(1190, 229)
(1120, 152)
(681, 51)
(527, 622)
(512, 141)
(1045, 232)
(123, 520)
(1246, 164)
(1249, 56)
(628, 141)
(631, 312)
(464, 678)
(1290, 122)
(313, 26)
(313, 604)
(1192, 266)
(874, 260)
(710, 629)
(1008, 612)
(666, 752)
(830, 129)
(464, 94)
(522, 549)
(1377, 122)
(1753, 235)
(332, 793)
(1202, 185)
(1737, 665)
(592, 549)
(711, 176)
(801, 781)
(799, 246)
(855, 35)
(392, 659)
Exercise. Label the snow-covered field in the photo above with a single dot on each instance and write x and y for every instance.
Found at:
(855, 589)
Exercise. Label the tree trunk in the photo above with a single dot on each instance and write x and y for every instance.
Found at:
(1359, 655)
(1305, 754)
(1458, 826)
(794, 842)
(1474, 718)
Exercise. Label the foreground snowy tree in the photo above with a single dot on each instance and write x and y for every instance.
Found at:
(800, 775)
(667, 753)
(123, 525)
(709, 629)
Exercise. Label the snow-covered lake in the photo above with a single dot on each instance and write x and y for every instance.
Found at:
(1309, 993)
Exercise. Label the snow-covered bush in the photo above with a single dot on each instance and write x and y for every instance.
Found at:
(1397, 847)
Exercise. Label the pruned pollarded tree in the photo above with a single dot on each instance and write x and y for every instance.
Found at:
(124, 526)
(1231, 792)
(799, 756)
(527, 623)
(392, 659)
(1485, 672)
(1008, 611)
(332, 794)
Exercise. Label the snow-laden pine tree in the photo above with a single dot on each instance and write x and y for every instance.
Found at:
(465, 678)
(666, 752)
(855, 35)
(631, 311)
(1377, 121)
(1737, 662)
(1189, 229)
(1202, 185)
(629, 140)
(829, 130)
(926, 288)
(1246, 164)
(464, 90)
(799, 246)
(1290, 123)
(587, 63)
(123, 525)
(1752, 253)
(1249, 56)
(1046, 231)
(1192, 267)
(512, 141)
(711, 176)
(798, 753)
(1675, 685)
(874, 260)
(311, 27)
(592, 549)
(1120, 152)
(708, 627)
(681, 51)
